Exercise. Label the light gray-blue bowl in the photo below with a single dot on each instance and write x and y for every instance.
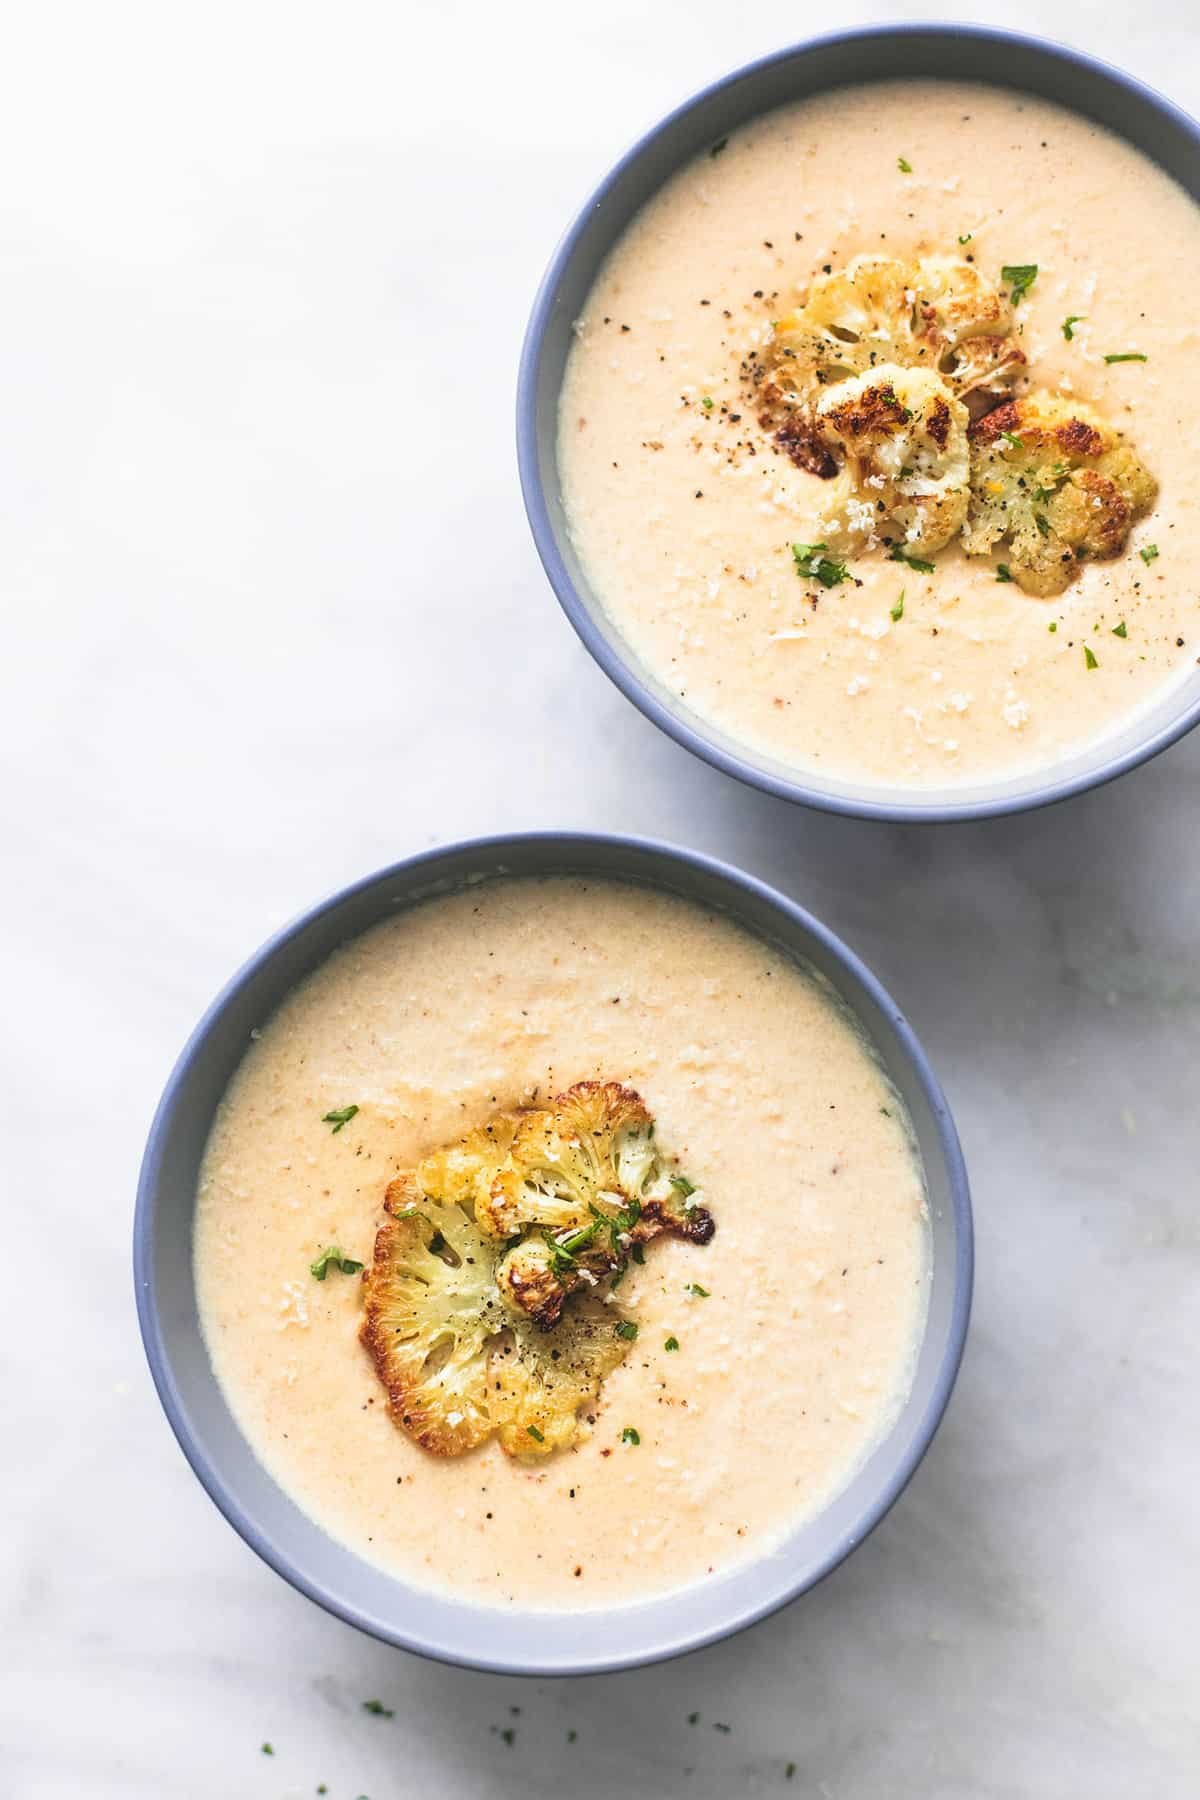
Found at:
(964, 52)
(501, 1639)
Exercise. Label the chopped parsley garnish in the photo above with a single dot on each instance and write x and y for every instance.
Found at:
(1013, 439)
(815, 566)
(1003, 572)
(718, 146)
(672, 1343)
(1148, 552)
(901, 555)
(964, 237)
(571, 1736)
(333, 1258)
(1020, 278)
(693, 1718)
(337, 1119)
(898, 609)
(537, 1436)
(904, 166)
(627, 1329)
(1127, 356)
(508, 1735)
(1042, 523)
(707, 403)
(1089, 658)
(693, 1287)
(683, 1186)
(631, 1436)
(1053, 625)
(1120, 630)
(378, 1710)
(268, 1749)
(639, 1254)
(789, 1772)
(1069, 324)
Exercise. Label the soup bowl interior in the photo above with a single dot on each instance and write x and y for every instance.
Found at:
(1003, 59)
(272, 1523)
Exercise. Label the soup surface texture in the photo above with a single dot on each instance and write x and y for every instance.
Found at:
(683, 511)
(788, 1366)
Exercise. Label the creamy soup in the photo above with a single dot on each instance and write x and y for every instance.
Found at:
(788, 1367)
(683, 511)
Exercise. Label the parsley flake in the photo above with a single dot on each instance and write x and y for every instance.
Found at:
(1013, 439)
(813, 565)
(707, 403)
(1042, 523)
(268, 1749)
(537, 1436)
(631, 1436)
(337, 1119)
(1069, 324)
(334, 1257)
(693, 1287)
(1020, 278)
(1089, 658)
(672, 1343)
(1127, 356)
(508, 1735)
(1120, 630)
(898, 609)
(627, 1329)
(378, 1710)
(1003, 572)
(683, 1186)
(1053, 625)
(904, 166)
(964, 237)
(1148, 552)
(901, 555)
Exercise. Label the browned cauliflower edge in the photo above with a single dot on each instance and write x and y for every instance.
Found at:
(489, 1308)
(1055, 484)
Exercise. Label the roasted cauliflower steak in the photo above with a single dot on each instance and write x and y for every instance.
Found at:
(1055, 484)
(906, 460)
(484, 1311)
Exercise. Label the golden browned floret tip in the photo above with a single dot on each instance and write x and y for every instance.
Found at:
(487, 1304)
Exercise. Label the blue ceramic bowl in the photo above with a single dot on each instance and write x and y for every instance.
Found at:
(399, 1613)
(965, 52)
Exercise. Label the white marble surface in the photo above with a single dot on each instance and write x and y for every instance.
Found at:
(272, 618)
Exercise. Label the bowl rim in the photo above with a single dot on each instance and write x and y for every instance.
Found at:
(620, 667)
(410, 870)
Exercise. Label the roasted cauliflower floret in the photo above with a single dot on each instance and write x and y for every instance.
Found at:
(431, 1312)
(903, 437)
(482, 1317)
(587, 1175)
(939, 314)
(564, 1160)
(1056, 484)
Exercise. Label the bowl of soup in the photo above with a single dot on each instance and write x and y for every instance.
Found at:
(553, 1253)
(857, 419)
